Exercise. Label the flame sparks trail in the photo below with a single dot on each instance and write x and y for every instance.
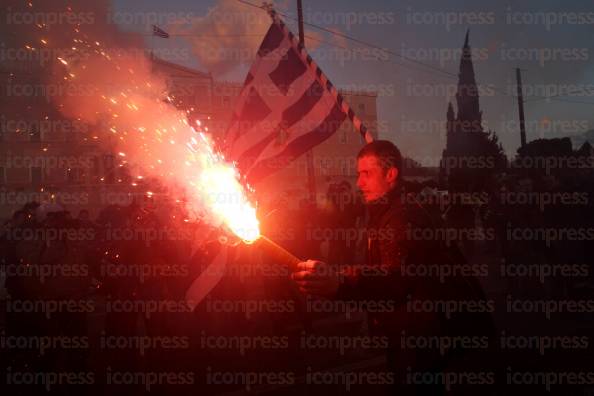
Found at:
(120, 96)
(219, 186)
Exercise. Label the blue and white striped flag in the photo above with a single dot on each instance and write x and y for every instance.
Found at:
(286, 107)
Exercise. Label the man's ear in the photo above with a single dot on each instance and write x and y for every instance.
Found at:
(392, 174)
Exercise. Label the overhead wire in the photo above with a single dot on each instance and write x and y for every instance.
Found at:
(432, 69)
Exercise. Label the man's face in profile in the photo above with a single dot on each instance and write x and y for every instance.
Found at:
(374, 181)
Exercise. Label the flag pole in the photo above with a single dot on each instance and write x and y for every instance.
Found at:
(309, 158)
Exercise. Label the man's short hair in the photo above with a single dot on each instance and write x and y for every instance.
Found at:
(387, 153)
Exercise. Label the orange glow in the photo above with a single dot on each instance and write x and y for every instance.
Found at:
(218, 185)
(155, 138)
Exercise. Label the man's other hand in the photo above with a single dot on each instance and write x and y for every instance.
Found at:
(316, 277)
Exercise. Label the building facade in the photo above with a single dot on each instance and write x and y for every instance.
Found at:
(46, 157)
(334, 161)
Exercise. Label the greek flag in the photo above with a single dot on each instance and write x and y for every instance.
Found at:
(286, 107)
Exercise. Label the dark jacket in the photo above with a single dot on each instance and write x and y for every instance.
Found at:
(407, 300)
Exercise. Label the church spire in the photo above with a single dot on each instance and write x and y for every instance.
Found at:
(465, 135)
(450, 114)
(451, 119)
(467, 96)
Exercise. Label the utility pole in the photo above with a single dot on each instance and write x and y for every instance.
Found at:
(311, 176)
(300, 15)
(521, 107)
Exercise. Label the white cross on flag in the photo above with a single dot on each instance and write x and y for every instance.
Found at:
(286, 107)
